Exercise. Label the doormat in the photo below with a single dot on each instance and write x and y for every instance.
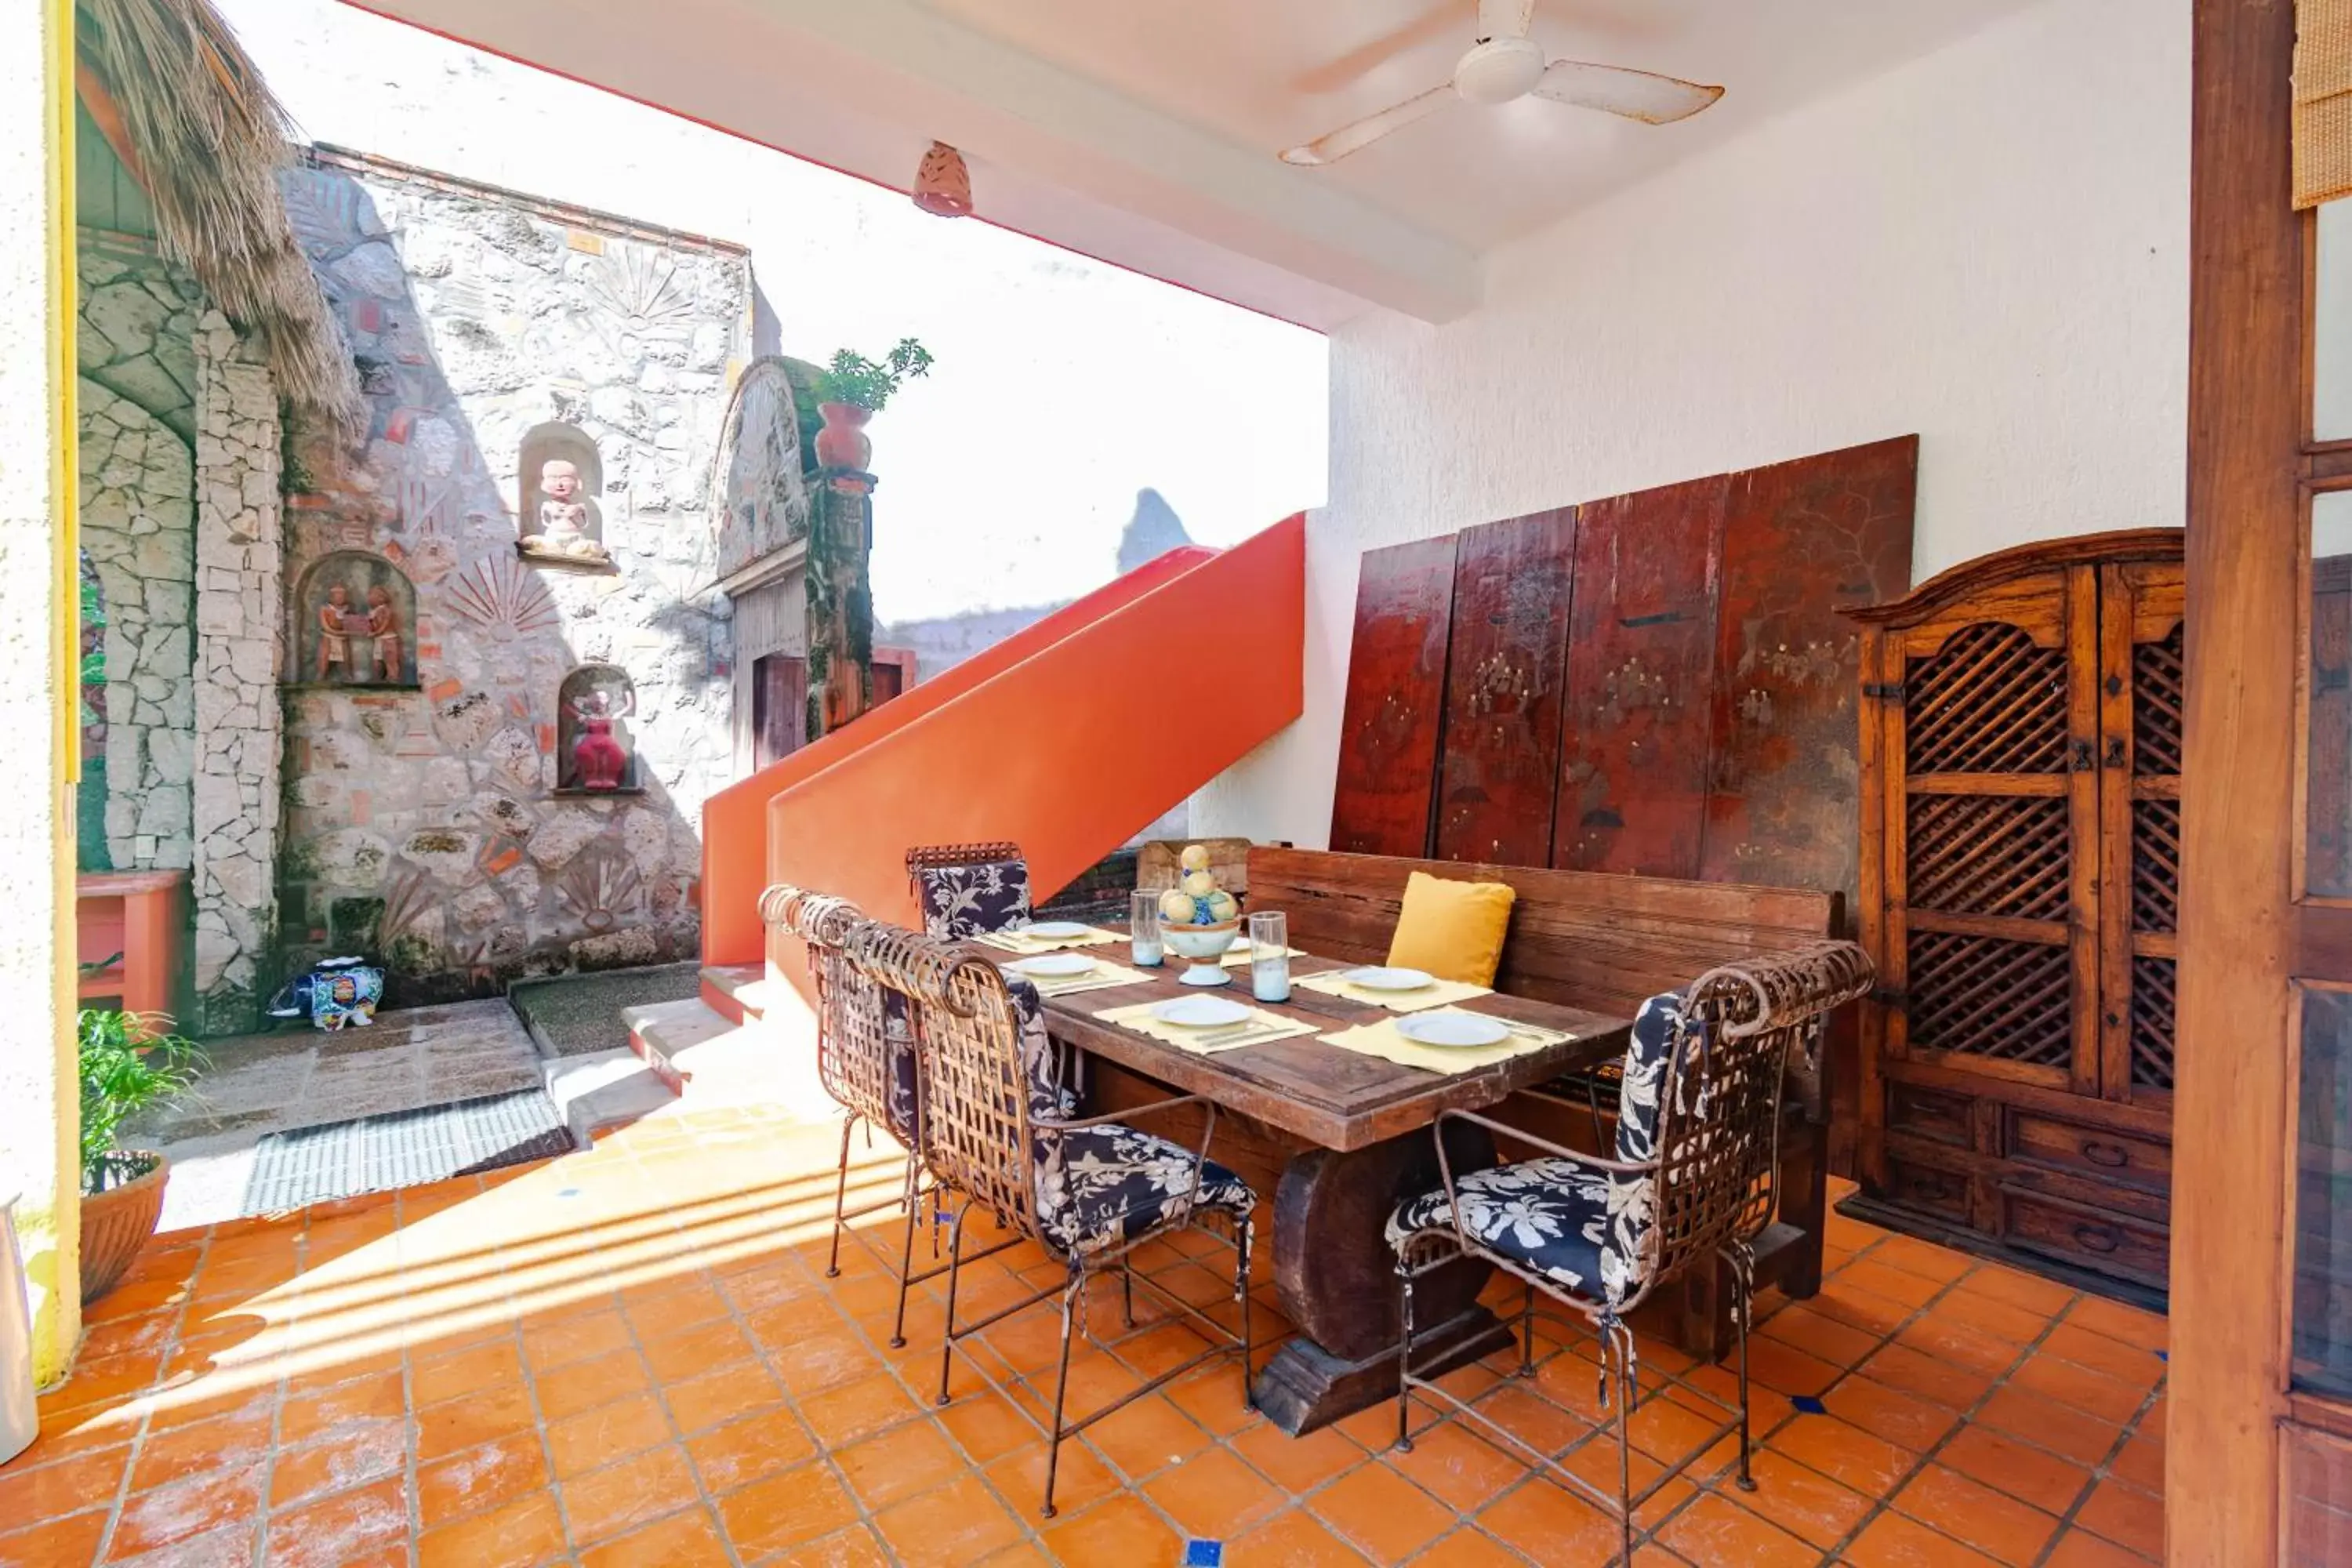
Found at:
(403, 1149)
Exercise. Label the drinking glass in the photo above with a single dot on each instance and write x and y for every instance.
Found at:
(1269, 935)
(1143, 928)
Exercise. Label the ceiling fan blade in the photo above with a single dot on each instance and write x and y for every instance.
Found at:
(1505, 18)
(1441, 20)
(1645, 96)
(1354, 138)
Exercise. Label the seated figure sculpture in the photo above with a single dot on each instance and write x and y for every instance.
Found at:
(562, 516)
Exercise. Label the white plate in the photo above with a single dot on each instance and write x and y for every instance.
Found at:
(1053, 931)
(1056, 966)
(1378, 979)
(1200, 1012)
(1453, 1029)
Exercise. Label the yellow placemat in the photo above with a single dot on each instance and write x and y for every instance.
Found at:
(1206, 1042)
(1241, 955)
(1382, 1040)
(1102, 977)
(1437, 993)
(1031, 946)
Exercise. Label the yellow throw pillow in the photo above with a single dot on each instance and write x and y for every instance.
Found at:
(1453, 929)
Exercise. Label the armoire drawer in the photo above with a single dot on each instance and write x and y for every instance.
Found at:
(2097, 1239)
(1929, 1189)
(2097, 1154)
(1931, 1113)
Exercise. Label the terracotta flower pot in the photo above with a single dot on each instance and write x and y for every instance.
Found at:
(116, 1223)
(843, 442)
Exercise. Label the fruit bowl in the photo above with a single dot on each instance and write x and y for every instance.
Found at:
(1203, 944)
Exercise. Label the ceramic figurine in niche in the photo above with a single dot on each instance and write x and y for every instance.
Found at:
(383, 633)
(355, 623)
(600, 763)
(563, 515)
(335, 618)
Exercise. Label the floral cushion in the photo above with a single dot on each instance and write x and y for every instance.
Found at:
(1108, 1185)
(960, 902)
(899, 1037)
(1572, 1225)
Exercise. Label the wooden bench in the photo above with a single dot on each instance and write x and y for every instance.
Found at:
(1605, 943)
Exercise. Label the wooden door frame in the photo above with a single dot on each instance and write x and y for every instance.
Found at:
(2232, 1136)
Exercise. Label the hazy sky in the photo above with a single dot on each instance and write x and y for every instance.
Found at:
(1064, 385)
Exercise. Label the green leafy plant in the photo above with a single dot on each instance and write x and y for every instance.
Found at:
(128, 1064)
(93, 658)
(852, 378)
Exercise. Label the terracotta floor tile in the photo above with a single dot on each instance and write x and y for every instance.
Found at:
(1462, 1467)
(2117, 1322)
(727, 1457)
(1901, 1418)
(1868, 1464)
(1081, 1479)
(2141, 1464)
(2127, 1516)
(456, 1425)
(1803, 1502)
(722, 1395)
(603, 1503)
(467, 1373)
(1215, 1497)
(1713, 1530)
(1386, 1516)
(1298, 1465)
(1819, 1334)
(904, 1462)
(2003, 1463)
(681, 1540)
(2003, 1321)
(336, 1531)
(1212, 1397)
(1469, 1548)
(1890, 1283)
(1786, 1370)
(516, 1534)
(2077, 1435)
(856, 1547)
(2017, 1288)
(1292, 1539)
(786, 1510)
(1849, 1302)
(168, 1514)
(65, 1486)
(1896, 1541)
(2064, 1383)
(676, 1357)
(956, 1524)
(360, 1451)
(69, 1542)
(2081, 1549)
(1147, 1436)
(840, 1416)
(1915, 1372)
(1947, 1339)
(1548, 1524)
(1973, 1513)
(560, 1340)
(479, 1478)
(1924, 1258)
(1123, 1530)
(312, 1412)
(595, 1438)
(227, 1546)
(2132, 1363)
(584, 1385)
(817, 1361)
(985, 1426)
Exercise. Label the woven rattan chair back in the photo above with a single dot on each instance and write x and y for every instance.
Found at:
(994, 893)
(1720, 1102)
(976, 1133)
(855, 1060)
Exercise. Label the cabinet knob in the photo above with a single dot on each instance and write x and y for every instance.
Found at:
(2098, 1237)
(2114, 1156)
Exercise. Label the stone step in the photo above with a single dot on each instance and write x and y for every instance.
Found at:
(602, 1089)
(738, 991)
(661, 1031)
(714, 1060)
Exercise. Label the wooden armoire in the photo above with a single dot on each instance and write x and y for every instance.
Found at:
(2020, 832)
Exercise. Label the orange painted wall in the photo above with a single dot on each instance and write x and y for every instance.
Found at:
(1069, 748)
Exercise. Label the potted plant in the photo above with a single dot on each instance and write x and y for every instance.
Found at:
(850, 389)
(128, 1064)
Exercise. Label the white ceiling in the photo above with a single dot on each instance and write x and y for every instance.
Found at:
(1144, 131)
(1269, 74)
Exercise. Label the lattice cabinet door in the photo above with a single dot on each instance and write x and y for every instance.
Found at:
(1991, 921)
(2141, 608)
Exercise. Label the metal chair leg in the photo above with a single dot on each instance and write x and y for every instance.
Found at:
(1743, 1306)
(1527, 1334)
(1620, 1352)
(1249, 1345)
(1405, 1368)
(1061, 1389)
(1127, 1289)
(840, 1198)
(914, 1206)
(948, 1331)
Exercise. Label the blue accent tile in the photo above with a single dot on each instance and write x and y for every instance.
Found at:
(2163, 1356)
(1204, 1554)
(1809, 1404)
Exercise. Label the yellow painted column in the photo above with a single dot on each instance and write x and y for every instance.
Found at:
(39, 1105)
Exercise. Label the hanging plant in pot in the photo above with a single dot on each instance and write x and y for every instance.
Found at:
(127, 1065)
(850, 391)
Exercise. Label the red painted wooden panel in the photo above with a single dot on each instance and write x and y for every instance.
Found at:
(1396, 695)
(1500, 767)
(1801, 538)
(1640, 667)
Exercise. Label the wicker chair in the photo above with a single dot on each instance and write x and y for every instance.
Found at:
(1001, 1128)
(968, 889)
(1695, 1153)
(866, 1060)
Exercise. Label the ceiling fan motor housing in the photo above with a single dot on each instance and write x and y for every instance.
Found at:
(1497, 71)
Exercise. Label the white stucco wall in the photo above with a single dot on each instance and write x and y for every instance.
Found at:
(1987, 245)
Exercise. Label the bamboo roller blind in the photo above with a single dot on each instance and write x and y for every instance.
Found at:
(2323, 100)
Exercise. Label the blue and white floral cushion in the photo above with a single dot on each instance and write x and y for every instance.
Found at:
(1585, 1229)
(898, 1041)
(1097, 1187)
(962, 901)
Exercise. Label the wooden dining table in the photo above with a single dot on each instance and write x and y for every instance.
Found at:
(1344, 1137)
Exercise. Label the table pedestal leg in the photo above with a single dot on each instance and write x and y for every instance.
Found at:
(1337, 1279)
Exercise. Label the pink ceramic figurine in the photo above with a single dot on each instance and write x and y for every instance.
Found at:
(598, 760)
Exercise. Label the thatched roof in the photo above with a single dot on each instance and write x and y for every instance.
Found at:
(203, 135)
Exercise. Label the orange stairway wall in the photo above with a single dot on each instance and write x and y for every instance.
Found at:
(1068, 738)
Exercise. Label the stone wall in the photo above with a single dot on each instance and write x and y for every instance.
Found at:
(427, 824)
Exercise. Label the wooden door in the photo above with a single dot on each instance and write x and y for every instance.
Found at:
(779, 707)
(2142, 623)
(1396, 699)
(1988, 735)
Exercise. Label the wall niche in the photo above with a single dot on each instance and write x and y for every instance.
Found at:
(354, 624)
(562, 476)
(594, 751)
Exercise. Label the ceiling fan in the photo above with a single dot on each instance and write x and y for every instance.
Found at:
(1505, 64)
